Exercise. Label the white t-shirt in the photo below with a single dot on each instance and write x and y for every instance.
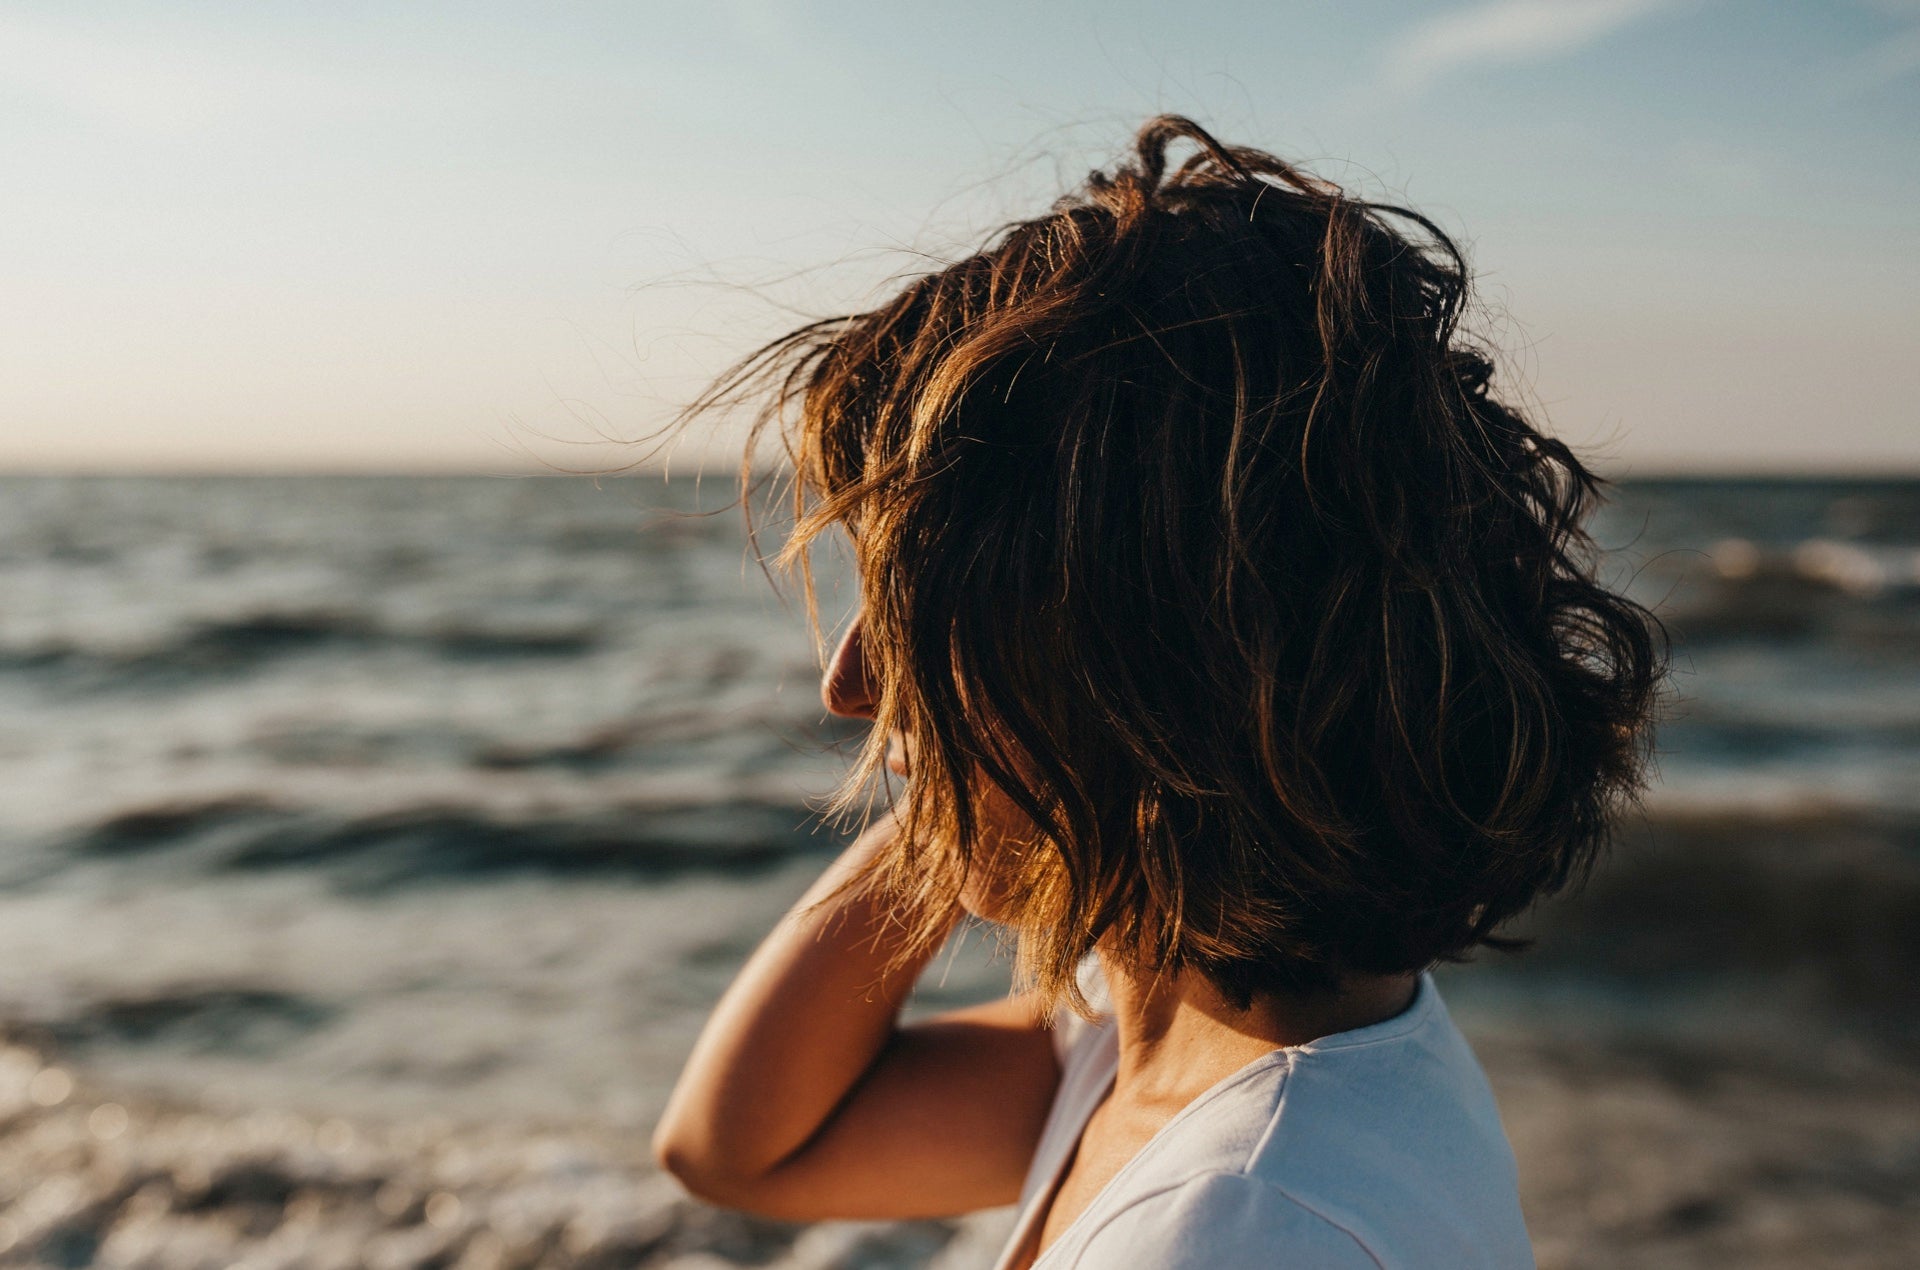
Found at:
(1377, 1149)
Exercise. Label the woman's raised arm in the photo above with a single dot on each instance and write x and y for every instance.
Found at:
(804, 1099)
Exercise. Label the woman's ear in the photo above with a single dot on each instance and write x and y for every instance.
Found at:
(847, 688)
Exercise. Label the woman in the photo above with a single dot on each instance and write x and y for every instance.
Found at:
(1243, 658)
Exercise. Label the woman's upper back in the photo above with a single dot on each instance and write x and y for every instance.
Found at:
(1378, 1147)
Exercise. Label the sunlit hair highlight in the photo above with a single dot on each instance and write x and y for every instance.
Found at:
(1187, 520)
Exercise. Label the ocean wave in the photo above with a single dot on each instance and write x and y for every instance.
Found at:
(432, 844)
(243, 1018)
(223, 647)
(1750, 739)
(759, 737)
(1854, 594)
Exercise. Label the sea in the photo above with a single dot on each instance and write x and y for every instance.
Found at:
(375, 798)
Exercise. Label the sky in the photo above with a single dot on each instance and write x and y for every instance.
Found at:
(495, 237)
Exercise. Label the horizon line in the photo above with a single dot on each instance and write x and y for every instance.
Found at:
(1662, 471)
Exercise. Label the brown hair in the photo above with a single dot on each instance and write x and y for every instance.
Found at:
(1187, 520)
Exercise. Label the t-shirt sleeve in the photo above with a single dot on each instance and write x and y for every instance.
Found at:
(1221, 1221)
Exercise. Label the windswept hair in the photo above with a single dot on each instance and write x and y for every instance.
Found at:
(1187, 520)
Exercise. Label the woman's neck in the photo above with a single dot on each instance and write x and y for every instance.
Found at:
(1179, 1036)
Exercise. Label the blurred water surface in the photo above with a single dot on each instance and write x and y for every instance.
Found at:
(380, 798)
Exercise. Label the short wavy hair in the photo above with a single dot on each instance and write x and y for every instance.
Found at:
(1187, 521)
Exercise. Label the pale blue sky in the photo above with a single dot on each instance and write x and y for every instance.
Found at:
(360, 235)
